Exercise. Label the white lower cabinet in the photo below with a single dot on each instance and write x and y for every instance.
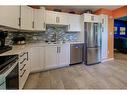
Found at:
(51, 57)
(57, 56)
(64, 55)
(24, 68)
(36, 59)
(40, 58)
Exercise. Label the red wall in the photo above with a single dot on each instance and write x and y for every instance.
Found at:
(120, 12)
(104, 11)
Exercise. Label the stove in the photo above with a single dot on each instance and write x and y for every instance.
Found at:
(6, 60)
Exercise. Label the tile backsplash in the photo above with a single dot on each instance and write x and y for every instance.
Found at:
(58, 32)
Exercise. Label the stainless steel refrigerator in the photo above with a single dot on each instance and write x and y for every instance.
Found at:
(92, 39)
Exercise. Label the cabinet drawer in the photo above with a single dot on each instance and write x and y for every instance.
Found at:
(22, 62)
(22, 67)
(23, 54)
(23, 77)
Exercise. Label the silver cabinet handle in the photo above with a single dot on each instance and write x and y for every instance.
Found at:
(23, 54)
(33, 24)
(92, 18)
(59, 49)
(27, 56)
(23, 73)
(23, 67)
(44, 25)
(69, 26)
(23, 61)
(58, 19)
(19, 21)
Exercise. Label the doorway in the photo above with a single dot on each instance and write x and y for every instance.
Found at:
(120, 38)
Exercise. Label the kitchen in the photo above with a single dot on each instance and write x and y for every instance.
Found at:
(38, 40)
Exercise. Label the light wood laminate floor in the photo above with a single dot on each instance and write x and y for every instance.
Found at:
(107, 75)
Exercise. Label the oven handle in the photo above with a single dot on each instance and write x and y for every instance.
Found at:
(7, 71)
(23, 73)
(23, 67)
(2, 83)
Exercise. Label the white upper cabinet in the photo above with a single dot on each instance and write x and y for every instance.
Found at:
(56, 18)
(50, 17)
(74, 21)
(9, 16)
(61, 18)
(26, 18)
(39, 19)
(91, 18)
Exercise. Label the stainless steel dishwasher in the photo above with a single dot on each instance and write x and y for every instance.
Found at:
(76, 53)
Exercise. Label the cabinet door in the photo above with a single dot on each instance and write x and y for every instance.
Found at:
(104, 28)
(64, 55)
(26, 18)
(39, 19)
(9, 16)
(41, 56)
(51, 57)
(87, 17)
(74, 23)
(34, 59)
(50, 17)
(91, 18)
(61, 18)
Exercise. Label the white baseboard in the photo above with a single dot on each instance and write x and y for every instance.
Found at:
(108, 59)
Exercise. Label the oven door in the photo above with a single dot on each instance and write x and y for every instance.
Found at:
(12, 79)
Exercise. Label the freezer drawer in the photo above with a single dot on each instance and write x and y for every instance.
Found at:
(76, 54)
(93, 55)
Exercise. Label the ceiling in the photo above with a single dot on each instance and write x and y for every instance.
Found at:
(82, 8)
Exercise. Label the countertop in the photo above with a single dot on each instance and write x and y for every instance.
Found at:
(17, 49)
